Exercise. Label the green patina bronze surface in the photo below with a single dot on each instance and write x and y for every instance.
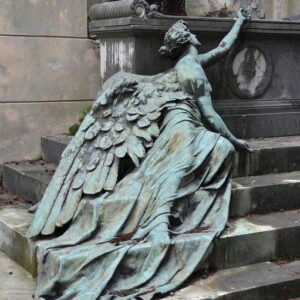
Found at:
(164, 179)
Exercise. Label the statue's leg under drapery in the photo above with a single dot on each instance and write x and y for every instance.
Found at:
(186, 176)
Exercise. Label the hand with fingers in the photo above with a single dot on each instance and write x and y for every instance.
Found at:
(243, 14)
(242, 145)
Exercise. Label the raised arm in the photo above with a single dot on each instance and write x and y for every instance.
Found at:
(227, 43)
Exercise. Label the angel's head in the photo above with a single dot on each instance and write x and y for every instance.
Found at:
(177, 39)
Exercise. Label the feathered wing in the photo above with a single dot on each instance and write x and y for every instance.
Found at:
(123, 122)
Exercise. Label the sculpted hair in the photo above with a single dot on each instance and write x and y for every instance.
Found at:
(176, 40)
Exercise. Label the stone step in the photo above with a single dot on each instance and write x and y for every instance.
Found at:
(270, 155)
(16, 283)
(255, 194)
(14, 223)
(53, 147)
(246, 241)
(27, 179)
(265, 194)
(276, 281)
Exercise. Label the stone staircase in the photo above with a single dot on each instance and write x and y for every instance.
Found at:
(255, 258)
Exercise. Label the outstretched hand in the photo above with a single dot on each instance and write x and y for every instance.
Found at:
(242, 145)
(243, 14)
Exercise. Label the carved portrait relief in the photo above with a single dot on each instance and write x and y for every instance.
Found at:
(250, 72)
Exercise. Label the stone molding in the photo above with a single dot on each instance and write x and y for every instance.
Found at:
(120, 9)
(132, 26)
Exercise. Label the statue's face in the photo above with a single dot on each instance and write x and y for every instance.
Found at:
(194, 40)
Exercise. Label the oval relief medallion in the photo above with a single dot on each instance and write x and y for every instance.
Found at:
(250, 72)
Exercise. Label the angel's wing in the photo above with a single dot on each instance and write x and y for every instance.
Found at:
(123, 122)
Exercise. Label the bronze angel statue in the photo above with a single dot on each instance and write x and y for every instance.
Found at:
(143, 188)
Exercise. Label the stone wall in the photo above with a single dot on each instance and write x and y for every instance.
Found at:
(48, 72)
(275, 9)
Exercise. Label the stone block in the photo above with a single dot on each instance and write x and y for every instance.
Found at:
(53, 147)
(22, 125)
(16, 283)
(259, 281)
(47, 69)
(116, 52)
(270, 155)
(66, 18)
(14, 222)
(28, 180)
(265, 194)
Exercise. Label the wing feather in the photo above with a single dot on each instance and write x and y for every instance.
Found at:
(121, 151)
(109, 159)
(91, 184)
(136, 147)
(142, 134)
(50, 224)
(93, 131)
(106, 142)
(87, 122)
(70, 207)
(124, 120)
(112, 177)
(154, 130)
(53, 189)
(121, 139)
(132, 155)
(144, 122)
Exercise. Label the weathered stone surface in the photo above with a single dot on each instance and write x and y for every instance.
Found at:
(53, 147)
(258, 238)
(16, 283)
(23, 17)
(264, 124)
(14, 222)
(248, 240)
(28, 180)
(22, 125)
(45, 57)
(47, 69)
(117, 52)
(270, 155)
(260, 282)
(264, 194)
(274, 9)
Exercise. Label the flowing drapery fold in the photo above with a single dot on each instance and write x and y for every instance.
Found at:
(154, 230)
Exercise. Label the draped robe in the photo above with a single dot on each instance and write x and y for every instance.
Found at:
(155, 229)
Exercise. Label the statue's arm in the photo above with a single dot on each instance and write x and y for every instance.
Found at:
(212, 118)
(226, 44)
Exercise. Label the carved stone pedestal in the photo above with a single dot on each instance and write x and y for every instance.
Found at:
(256, 88)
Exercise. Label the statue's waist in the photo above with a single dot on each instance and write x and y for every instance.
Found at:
(186, 107)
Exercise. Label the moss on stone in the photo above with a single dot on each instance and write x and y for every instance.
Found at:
(74, 128)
